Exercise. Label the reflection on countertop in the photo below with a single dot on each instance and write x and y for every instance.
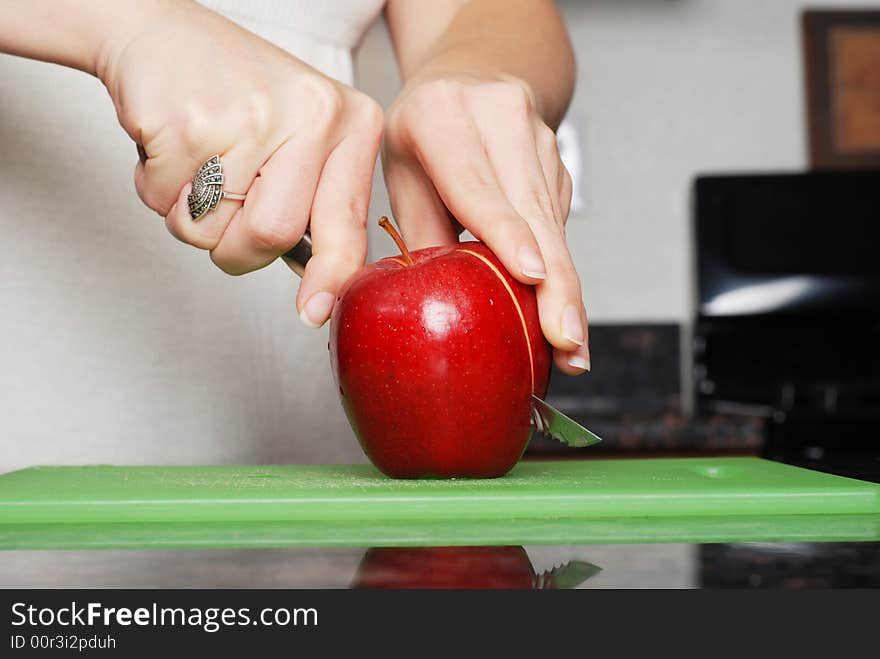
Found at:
(484, 568)
(740, 565)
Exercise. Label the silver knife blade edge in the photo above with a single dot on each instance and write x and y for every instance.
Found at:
(553, 423)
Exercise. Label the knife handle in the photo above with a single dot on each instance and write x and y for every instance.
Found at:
(300, 254)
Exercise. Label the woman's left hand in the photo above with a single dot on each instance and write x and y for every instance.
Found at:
(473, 149)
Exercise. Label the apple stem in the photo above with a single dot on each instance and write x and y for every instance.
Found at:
(386, 224)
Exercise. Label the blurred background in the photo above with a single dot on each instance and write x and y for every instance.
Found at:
(732, 290)
(725, 157)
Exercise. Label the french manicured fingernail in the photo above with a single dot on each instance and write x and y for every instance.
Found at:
(572, 328)
(317, 309)
(578, 361)
(531, 264)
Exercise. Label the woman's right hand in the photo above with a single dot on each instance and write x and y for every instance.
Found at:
(187, 84)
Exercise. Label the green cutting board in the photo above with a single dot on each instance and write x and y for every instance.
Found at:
(355, 505)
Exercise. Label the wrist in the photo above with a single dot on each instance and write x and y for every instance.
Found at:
(120, 26)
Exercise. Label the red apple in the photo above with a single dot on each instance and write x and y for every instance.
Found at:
(436, 354)
(445, 567)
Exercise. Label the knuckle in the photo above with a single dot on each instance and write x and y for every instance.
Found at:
(161, 205)
(274, 234)
(394, 117)
(565, 193)
(475, 182)
(189, 234)
(400, 129)
(256, 116)
(370, 116)
(515, 97)
(140, 128)
(540, 206)
(326, 99)
(357, 207)
(559, 261)
(153, 198)
(433, 98)
(345, 263)
(440, 90)
(418, 114)
(228, 267)
(173, 229)
(564, 177)
(195, 132)
(142, 125)
(394, 127)
(546, 140)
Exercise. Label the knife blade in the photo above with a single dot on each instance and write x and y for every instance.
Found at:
(551, 422)
(566, 577)
(546, 418)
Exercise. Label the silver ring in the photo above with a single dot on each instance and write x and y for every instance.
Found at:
(207, 189)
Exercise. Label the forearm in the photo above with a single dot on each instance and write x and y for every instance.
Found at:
(74, 33)
(525, 39)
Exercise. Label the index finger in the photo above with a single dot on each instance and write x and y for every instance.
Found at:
(338, 225)
(454, 158)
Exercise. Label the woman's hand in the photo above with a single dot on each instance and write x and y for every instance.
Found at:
(188, 84)
(474, 148)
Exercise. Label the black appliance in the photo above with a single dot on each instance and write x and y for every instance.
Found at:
(787, 321)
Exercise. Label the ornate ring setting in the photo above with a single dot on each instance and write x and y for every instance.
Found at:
(207, 189)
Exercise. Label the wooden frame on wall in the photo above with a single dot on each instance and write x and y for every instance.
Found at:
(842, 69)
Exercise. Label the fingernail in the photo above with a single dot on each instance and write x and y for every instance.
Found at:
(317, 309)
(572, 329)
(531, 264)
(577, 361)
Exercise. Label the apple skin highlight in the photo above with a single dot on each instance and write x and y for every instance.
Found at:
(435, 362)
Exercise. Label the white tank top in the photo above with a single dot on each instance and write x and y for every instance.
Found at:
(117, 343)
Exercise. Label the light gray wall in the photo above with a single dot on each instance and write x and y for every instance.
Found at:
(666, 89)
